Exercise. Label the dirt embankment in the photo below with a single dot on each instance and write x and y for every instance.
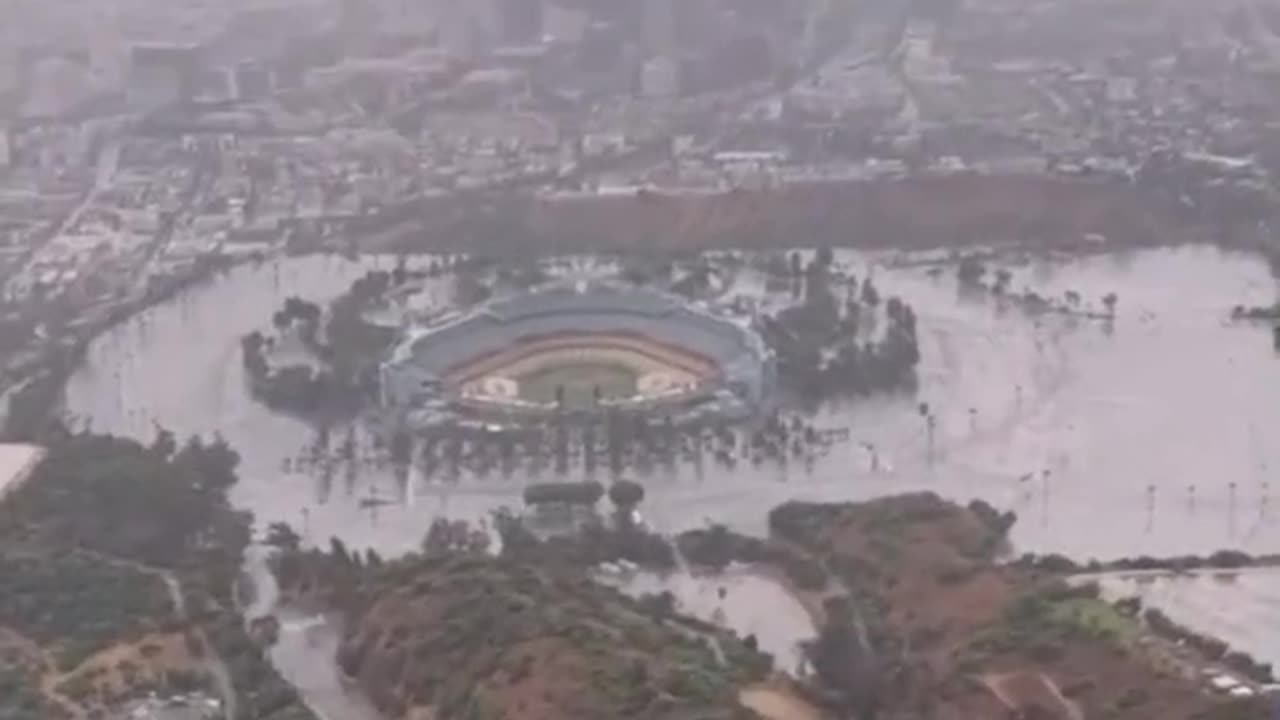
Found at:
(959, 636)
(918, 212)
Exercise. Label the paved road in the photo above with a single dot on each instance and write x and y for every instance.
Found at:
(108, 161)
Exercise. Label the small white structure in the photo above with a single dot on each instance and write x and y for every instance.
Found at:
(16, 465)
(1240, 691)
(1224, 683)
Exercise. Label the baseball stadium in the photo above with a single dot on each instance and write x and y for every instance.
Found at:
(579, 347)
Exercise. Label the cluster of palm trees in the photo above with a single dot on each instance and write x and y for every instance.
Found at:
(825, 346)
(973, 275)
(622, 443)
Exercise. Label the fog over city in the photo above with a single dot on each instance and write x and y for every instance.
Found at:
(653, 359)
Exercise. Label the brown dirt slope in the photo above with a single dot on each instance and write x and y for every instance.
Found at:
(475, 637)
(951, 625)
(917, 212)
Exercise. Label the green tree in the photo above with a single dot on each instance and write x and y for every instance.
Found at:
(283, 537)
(164, 444)
(1109, 302)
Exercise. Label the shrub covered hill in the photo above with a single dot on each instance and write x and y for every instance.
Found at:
(117, 565)
(919, 619)
(469, 636)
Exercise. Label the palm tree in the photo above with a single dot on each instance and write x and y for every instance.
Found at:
(164, 445)
(625, 496)
(1109, 302)
(931, 424)
(870, 296)
(824, 257)
(280, 535)
(1001, 285)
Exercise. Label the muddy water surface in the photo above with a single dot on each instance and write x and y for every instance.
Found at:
(1152, 434)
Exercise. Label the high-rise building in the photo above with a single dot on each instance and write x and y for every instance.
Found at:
(8, 70)
(660, 77)
(660, 32)
(519, 21)
(55, 81)
(565, 24)
(252, 82)
(162, 75)
(601, 47)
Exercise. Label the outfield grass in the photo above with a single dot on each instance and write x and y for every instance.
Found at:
(579, 381)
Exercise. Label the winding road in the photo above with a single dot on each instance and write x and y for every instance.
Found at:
(108, 162)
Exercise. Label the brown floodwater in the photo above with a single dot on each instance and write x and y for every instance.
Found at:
(1153, 434)
(748, 602)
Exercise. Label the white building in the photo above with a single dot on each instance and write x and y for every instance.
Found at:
(1122, 89)
(17, 462)
(564, 25)
(660, 25)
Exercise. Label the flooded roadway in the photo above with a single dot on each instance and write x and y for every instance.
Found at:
(740, 598)
(305, 649)
(1156, 436)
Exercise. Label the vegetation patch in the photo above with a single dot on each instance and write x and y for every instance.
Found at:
(119, 562)
(75, 605)
(458, 633)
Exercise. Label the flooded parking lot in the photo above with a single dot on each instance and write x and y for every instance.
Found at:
(1153, 434)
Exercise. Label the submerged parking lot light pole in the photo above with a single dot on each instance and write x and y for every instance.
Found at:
(931, 424)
